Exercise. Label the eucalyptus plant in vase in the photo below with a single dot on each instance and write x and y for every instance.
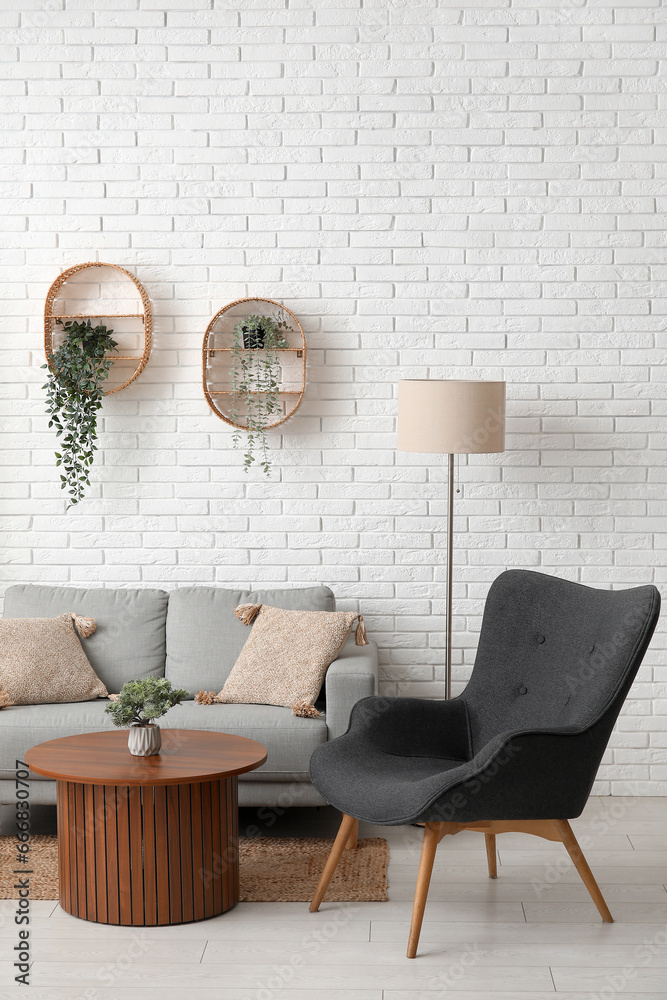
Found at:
(255, 378)
(76, 372)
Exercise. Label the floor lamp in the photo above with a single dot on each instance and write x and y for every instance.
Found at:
(447, 417)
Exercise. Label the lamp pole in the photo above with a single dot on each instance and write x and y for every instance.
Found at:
(450, 568)
(451, 417)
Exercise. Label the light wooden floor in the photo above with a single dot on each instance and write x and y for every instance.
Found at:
(532, 934)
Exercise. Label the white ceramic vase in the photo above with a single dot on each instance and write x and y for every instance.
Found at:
(144, 741)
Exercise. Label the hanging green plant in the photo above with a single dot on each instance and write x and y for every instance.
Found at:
(255, 378)
(74, 398)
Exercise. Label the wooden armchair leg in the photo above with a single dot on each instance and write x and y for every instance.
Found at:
(432, 837)
(491, 855)
(351, 844)
(572, 847)
(346, 831)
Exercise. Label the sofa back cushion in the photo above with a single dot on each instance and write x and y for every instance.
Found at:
(129, 642)
(204, 636)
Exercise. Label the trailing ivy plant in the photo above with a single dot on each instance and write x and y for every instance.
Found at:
(74, 398)
(255, 379)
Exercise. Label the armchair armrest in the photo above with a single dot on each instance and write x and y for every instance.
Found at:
(352, 676)
(522, 775)
(415, 727)
(535, 775)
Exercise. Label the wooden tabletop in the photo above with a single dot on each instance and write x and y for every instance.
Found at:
(186, 756)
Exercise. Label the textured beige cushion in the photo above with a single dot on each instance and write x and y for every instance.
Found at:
(43, 662)
(286, 656)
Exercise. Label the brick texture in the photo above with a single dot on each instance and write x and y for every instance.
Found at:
(445, 189)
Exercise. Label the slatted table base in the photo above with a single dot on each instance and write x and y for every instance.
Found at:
(148, 854)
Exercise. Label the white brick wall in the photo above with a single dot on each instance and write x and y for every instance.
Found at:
(455, 189)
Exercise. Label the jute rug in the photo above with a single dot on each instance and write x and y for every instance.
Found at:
(273, 870)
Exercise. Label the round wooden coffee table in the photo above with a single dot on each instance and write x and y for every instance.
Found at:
(147, 840)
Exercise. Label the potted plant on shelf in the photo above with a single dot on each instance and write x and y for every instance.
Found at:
(137, 706)
(255, 379)
(77, 370)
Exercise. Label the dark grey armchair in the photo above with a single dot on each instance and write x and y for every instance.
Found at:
(518, 750)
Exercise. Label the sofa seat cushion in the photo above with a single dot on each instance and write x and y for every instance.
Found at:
(205, 638)
(129, 642)
(290, 741)
(23, 726)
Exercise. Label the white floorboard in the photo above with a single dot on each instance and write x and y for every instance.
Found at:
(641, 981)
(529, 995)
(344, 976)
(547, 873)
(532, 934)
(624, 913)
(446, 936)
(73, 951)
(514, 951)
(210, 992)
(202, 993)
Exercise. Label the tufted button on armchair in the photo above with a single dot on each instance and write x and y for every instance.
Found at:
(518, 750)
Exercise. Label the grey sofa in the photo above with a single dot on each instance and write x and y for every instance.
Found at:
(191, 636)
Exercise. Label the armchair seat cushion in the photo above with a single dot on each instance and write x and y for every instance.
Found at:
(381, 787)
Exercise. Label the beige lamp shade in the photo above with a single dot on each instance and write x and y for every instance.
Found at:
(451, 417)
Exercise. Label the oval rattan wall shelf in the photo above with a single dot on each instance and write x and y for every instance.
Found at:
(140, 354)
(217, 359)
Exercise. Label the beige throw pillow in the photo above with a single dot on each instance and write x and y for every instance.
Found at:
(42, 661)
(286, 656)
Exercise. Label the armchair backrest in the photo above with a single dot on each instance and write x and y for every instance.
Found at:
(554, 655)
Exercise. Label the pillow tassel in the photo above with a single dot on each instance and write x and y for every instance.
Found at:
(305, 710)
(247, 613)
(5, 700)
(360, 637)
(206, 698)
(84, 626)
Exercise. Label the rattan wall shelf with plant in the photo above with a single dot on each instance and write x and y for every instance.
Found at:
(78, 292)
(254, 369)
